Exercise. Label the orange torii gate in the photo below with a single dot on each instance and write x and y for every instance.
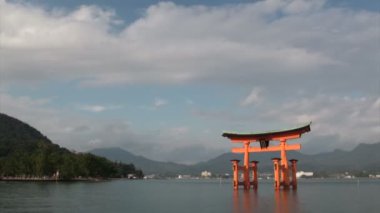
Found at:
(281, 167)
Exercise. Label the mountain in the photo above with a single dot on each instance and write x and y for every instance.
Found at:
(218, 165)
(222, 164)
(150, 166)
(365, 157)
(26, 153)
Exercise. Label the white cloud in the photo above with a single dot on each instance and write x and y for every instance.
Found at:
(376, 105)
(349, 121)
(281, 46)
(83, 133)
(95, 141)
(64, 127)
(159, 102)
(27, 108)
(189, 101)
(338, 122)
(252, 98)
(301, 42)
(93, 108)
(303, 6)
(175, 131)
(98, 108)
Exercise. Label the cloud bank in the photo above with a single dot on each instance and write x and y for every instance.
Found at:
(302, 61)
(298, 41)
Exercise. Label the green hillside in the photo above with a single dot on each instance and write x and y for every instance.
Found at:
(25, 152)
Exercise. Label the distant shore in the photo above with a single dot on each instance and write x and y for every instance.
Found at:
(49, 179)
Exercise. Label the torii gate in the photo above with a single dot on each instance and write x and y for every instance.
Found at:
(281, 168)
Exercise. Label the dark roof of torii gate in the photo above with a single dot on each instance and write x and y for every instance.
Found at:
(267, 135)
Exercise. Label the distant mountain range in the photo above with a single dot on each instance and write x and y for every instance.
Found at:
(365, 157)
(150, 166)
(24, 151)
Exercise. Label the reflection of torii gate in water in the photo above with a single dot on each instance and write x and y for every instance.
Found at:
(281, 168)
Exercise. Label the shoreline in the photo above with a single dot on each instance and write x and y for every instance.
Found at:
(50, 179)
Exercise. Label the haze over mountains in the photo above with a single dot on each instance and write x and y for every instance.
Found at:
(21, 144)
(365, 157)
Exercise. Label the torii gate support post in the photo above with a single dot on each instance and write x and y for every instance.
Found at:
(284, 165)
(276, 171)
(294, 173)
(246, 166)
(254, 174)
(235, 169)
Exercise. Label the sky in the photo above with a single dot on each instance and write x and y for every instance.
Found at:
(165, 79)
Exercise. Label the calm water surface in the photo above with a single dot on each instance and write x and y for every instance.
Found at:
(191, 196)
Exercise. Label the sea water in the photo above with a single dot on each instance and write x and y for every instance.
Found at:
(192, 196)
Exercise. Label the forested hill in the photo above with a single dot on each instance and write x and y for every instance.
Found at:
(26, 153)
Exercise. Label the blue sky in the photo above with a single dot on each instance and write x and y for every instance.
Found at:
(165, 79)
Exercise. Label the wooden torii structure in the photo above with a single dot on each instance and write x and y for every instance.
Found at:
(281, 167)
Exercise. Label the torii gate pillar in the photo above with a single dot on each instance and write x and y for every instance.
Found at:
(246, 166)
(284, 165)
(294, 173)
(235, 169)
(276, 172)
(254, 174)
